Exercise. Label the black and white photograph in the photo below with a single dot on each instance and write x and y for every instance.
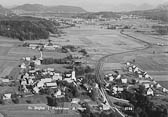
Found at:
(83, 58)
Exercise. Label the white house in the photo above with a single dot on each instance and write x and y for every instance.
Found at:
(118, 77)
(158, 86)
(36, 89)
(111, 78)
(46, 80)
(75, 100)
(69, 80)
(51, 84)
(23, 66)
(27, 58)
(50, 69)
(165, 90)
(57, 76)
(150, 92)
(58, 93)
(124, 80)
(130, 69)
(7, 96)
(146, 85)
(136, 69)
(37, 62)
(128, 63)
(5, 80)
(40, 84)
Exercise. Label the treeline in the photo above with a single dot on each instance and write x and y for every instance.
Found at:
(27, 28)
(66, 60)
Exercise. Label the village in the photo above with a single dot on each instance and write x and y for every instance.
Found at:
(62, 79)
(76, 87)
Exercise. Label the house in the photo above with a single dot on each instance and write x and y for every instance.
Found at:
(40, 84)
(140, 76)
(75, 100)
(86, 86)
(147, 76)
(128, 64)
(37, 62)
(124, 80)
(23, 66)
(69, 80)
(118, 77)
(27, 58)
(111, 78)
(68, 75)
(57, 76)
(50, 69)
(143, 81)
(165, 90)
(32, 71)
(130, 69)
(36, 89)
(158, 86)
(136, 69)
(146, 85)
(105, 107)
(7, 96)
(5, 80)
(58, 93)
(51, 84)
(117, 89)
(46, 80)
(33, 46)
(149, 92)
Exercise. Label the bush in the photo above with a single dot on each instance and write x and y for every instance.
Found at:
(161, 30)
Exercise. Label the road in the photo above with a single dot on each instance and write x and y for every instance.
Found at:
(100, 77)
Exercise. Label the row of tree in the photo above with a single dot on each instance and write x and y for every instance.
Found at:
(161, 30)
(66, 60)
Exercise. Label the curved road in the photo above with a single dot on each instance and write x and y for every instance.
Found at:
(101, 78)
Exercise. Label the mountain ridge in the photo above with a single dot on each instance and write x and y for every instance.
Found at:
(41, 8)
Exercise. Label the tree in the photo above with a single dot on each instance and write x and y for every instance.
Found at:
(15, 98)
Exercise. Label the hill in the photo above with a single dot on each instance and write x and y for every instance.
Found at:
(27, 28)
(159, 13)
(163, 6)
(38, 8)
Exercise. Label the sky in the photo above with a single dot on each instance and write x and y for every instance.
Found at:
(86, 4)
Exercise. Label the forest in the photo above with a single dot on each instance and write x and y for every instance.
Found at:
(28, 28)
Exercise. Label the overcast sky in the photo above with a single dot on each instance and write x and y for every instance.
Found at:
(87, 4)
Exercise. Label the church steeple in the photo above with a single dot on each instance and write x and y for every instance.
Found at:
(73, 74)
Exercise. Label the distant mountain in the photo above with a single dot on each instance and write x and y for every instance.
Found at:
(4, 11)
(163, 6)
(145, 6)
(155, 14)
(132, 7)
(38, 8)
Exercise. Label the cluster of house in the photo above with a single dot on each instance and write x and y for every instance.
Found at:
(145, 79)
(30, 83)
(139, 76)
(48, 46)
